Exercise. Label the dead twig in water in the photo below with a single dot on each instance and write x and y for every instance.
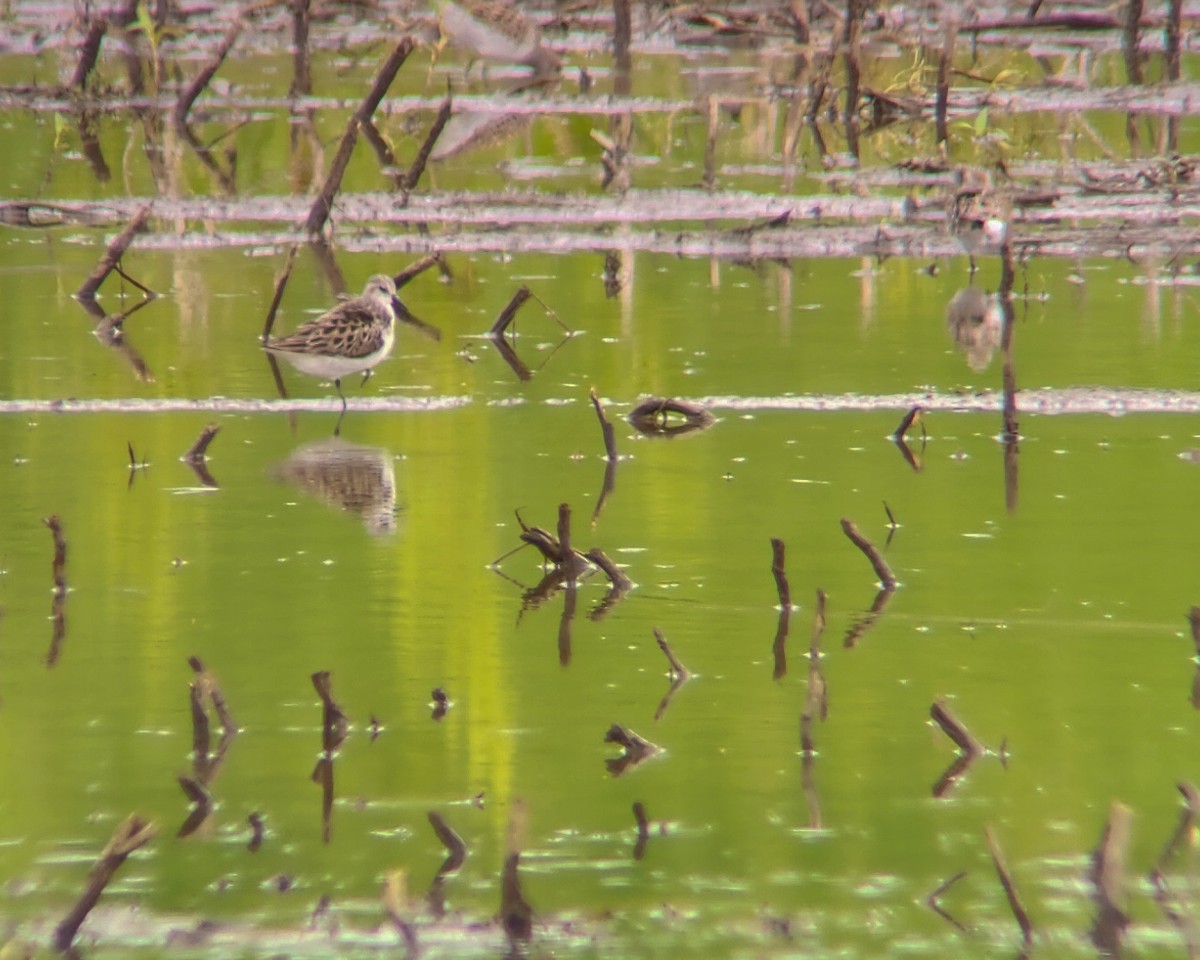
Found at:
(678, 670)
(616, 576)
(1108, 877)
(201, 799)
(606, 427)
(643, 830)
(814, 646)
(650, 416)
(636, 749)
(395, 888)
(414, 270)
(59, 564)
(777, 569)
(413, 176)
(935, 904)
(211, 691)
(882, 570)
(197, 453)
(1010, 889)
(113, 254)
(516, 915)
(955, 730)
(318, 214)
(132, 833)
(456, 849)
(183, 105)
(276, 297)
(506, 315)
(913, 416)
(334, 723)
(89, 51)
(892, 524)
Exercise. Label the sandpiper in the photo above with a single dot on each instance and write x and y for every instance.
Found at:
(495, 30)
(351, 338)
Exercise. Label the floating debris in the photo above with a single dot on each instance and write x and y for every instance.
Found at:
(651, 417)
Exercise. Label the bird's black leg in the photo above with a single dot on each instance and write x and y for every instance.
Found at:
(366, 377)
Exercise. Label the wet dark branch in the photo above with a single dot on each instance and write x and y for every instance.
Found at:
(113, 254)
(413, 176)
(780, 573)
(318, 214)
(882, 570)
(1010, 888)
(606, 427)
(183, 105)
(133, 833)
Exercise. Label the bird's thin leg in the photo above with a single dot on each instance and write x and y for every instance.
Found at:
(338, 383)
(366, 377)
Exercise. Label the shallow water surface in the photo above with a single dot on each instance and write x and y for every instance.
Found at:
(799, 803)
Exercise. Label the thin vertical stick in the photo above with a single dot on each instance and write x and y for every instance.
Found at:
(301, 74)
(606, 427)
(89, 51)
(277, 296)
(1010, 889)
(777, 568)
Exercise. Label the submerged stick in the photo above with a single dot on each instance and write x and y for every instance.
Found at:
(59, 564)
(507, 314)
(183, 105)
(276, 297)
(133, 833)
(318, 214)
(909, 418)
(456, 849)
(1010, 889)
(814, 647)
(413, 176)
(113, 254)
(301, 72)
(1108, 876)
(334, 722)
(616, 576)
(777, 568)
(516, 914)
(882, 570)
(394, 895)
(954, 729)
(606, 427)
(89, 51)
(197, 453)
(678, 670)
(414, 270)
(212, 691)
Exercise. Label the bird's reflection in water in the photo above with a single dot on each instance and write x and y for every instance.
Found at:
(975, 321)
(357, 479)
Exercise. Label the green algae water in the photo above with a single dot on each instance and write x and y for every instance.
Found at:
(797, 805)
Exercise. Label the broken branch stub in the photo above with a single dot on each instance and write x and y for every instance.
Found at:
(882, 570)
(131, 834)
(113, 254)
(954, 729)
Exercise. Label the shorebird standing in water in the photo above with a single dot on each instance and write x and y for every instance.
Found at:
(351, 338)
(494, 30)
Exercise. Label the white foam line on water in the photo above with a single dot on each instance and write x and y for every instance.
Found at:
(1071, 400)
